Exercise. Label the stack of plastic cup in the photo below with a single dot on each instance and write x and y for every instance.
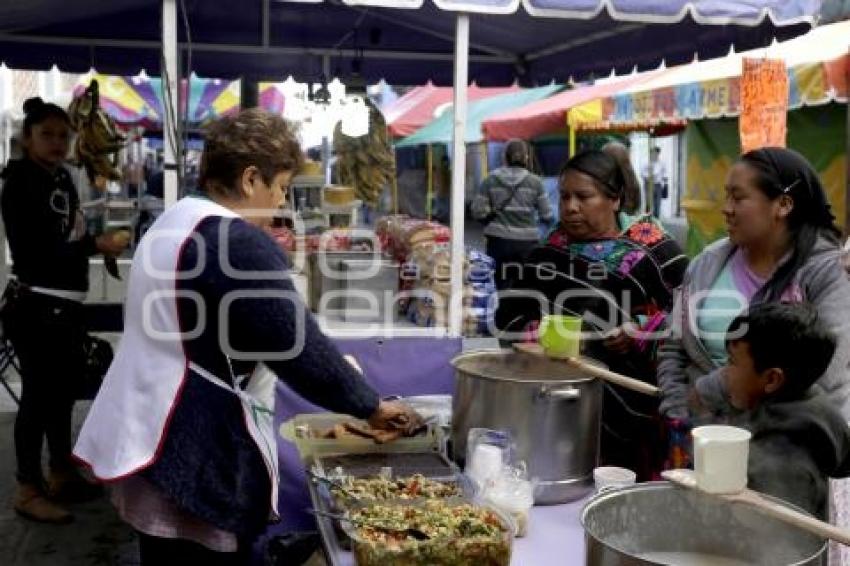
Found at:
(486, 464)
(611, 477)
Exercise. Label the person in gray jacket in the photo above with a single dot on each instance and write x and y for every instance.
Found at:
(782, 247)
(511, 202)
(799, 438)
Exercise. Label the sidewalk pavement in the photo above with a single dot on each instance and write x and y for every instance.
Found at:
(97, 537)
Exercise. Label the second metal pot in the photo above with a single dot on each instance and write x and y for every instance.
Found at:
(658, 523)
(551, 410)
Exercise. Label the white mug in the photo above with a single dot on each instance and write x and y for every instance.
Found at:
(720, 458)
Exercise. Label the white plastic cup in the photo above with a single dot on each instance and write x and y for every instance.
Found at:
(612, 477)
(720, 458)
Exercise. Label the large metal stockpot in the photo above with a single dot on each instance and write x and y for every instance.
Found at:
(551, 410)
(658, 523)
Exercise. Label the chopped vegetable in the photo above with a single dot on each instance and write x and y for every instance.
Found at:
(380, 489)
(459, 535)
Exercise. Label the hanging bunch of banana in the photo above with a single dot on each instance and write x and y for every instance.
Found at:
(366, 163)
(98, 139)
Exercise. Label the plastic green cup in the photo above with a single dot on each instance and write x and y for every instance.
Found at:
(560, 335)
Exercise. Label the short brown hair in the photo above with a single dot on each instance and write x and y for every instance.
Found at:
(251, 138)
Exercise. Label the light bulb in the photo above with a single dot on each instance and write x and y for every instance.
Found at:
(355, 121)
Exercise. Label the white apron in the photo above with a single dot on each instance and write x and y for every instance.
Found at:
(125, 427)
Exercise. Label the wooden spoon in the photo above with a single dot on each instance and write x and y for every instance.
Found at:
(687, 479)
(604, 374)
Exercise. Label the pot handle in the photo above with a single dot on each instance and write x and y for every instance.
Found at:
(569, 393)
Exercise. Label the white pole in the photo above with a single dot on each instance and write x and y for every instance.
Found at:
(169, 51)
(5, 87)
(461, 79)
(326, 136)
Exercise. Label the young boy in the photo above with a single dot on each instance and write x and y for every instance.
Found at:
(776, 353)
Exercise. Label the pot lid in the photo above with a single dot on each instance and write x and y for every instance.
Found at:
(508, 365)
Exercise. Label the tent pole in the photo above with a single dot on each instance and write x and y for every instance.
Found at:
(650, 189)
(461, 80)
(326, 138)
(395, 191)
(429, 175)
(572, 141)
(847, 153)
(171, 70)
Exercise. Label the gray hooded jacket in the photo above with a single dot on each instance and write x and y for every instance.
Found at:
(684, 362)
(518, 218)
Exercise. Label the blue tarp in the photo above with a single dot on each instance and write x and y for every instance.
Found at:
(535, 41)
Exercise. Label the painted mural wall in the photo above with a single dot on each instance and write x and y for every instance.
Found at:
(819, 133)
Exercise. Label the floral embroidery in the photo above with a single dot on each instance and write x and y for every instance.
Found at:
(630, 260)
(646, 233)
(597, 251)
(558, 239)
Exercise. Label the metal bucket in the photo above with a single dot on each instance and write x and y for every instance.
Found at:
(657, 523)
(551, 410)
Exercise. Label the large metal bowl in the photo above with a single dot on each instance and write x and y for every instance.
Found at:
(626, 527)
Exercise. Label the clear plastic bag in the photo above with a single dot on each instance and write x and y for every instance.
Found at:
(512, 493)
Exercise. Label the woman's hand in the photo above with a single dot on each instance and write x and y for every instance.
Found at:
(397, 418)
(620, 340)
(112, 243)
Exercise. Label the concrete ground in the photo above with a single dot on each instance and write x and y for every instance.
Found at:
(97, 537)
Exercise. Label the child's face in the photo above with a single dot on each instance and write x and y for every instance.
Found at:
(48, 141)
(746, 386)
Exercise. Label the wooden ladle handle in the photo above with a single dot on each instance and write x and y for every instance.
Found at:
(604, 374)
(792, 517)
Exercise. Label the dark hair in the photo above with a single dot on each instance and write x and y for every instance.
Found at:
(516, 153)
(604, 169)
(779, 172)
(37, 111)
(789, 337)
(251, 138)
(631, 188)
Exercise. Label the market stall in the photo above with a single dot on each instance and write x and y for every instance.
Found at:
(550, 115)
(544, 41)
(706, 97)
(423, 104)
(650, 523)
(440, 131)
(408, 43)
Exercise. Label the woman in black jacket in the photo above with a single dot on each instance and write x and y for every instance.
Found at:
(42, 311)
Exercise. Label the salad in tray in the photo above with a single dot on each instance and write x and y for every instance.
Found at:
(379, 488)
(458, 534)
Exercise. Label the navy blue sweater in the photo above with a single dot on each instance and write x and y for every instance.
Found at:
(208, 464)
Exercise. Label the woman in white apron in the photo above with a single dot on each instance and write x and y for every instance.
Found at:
(182, 425)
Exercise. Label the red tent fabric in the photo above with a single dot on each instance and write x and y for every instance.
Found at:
(417, 108)
(549, 115)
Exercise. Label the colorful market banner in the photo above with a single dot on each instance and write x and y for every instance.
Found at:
(764, 104)
(809, 84)
(137, 101)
